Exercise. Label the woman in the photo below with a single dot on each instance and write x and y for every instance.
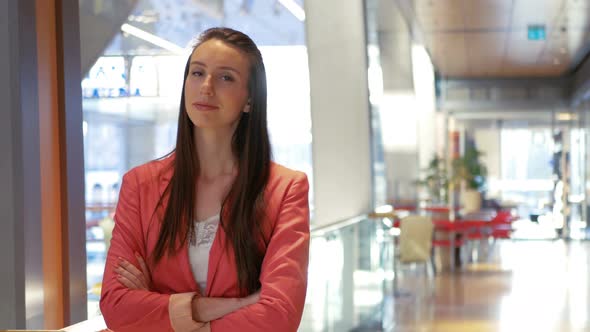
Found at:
(215, 236)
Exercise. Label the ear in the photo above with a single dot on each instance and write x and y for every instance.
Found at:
(247, 107)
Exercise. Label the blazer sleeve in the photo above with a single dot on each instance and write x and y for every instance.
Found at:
(284, 271)
(136, 310)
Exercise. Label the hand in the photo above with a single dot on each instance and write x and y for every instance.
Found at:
(131, 277)
(252, 298)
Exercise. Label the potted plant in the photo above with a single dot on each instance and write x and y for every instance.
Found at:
(469, 170)
(435, 180)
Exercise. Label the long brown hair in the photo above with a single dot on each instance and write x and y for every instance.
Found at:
(243, 208)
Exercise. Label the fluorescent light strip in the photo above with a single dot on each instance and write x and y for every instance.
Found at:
(151, 38)
(294, 8)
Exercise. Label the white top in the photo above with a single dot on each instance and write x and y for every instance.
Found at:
(198, 253)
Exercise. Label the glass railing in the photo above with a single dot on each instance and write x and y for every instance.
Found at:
(350, 277)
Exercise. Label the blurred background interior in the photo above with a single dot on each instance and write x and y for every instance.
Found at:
(470, 114)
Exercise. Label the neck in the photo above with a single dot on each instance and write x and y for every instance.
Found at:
(216, 157)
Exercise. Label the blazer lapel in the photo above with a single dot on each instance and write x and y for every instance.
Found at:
(187, 271)
(217, 249)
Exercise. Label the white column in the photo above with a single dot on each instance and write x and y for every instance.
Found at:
(339, 109)
(423, 74)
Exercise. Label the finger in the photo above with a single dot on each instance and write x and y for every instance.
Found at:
(129, 276)
(144, 268)
(130, 268)
(134, 271)
(126, 282)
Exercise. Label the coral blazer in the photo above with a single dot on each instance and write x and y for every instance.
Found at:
(284, 269)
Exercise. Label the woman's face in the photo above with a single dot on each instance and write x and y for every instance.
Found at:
(216, 88)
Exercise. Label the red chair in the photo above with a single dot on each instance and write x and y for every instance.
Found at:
(454, 241)
(502, 234)
(502, 226)
(476, 233)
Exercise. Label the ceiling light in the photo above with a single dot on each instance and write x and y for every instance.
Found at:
(153, 39)
(294, 8)
(565, 116)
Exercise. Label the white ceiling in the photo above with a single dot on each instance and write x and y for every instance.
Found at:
(488, 38)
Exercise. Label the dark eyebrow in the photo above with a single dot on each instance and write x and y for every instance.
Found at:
(222, 67)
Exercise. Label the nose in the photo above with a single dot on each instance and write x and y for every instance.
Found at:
(207, 86)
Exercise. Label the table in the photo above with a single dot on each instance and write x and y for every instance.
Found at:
(95, 324)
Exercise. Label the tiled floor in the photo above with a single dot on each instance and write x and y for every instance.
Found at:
(539, 285)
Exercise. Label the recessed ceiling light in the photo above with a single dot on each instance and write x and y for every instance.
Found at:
(565, 116)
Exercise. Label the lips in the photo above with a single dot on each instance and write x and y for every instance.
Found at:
(200, 106)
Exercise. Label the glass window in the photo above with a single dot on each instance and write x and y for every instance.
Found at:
(527, 161)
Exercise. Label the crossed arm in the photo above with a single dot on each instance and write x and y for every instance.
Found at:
(134, 304)
(203, 309)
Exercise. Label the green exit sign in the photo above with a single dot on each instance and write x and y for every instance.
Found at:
(536, 32)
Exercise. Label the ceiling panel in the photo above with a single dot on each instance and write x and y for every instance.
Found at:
(422, 5)
(484, 52)
(577, 17)
(551, 57)
(471, 38)
(487, 14)
(556, 50)
(441, 19)
(578, 4)
(499, 5)
(529, 70)
(452, 44)
(485, 43)
(526, 12)
(522, 51)
(450, 52)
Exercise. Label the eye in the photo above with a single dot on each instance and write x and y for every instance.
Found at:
(197, 73)
(227, 78)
